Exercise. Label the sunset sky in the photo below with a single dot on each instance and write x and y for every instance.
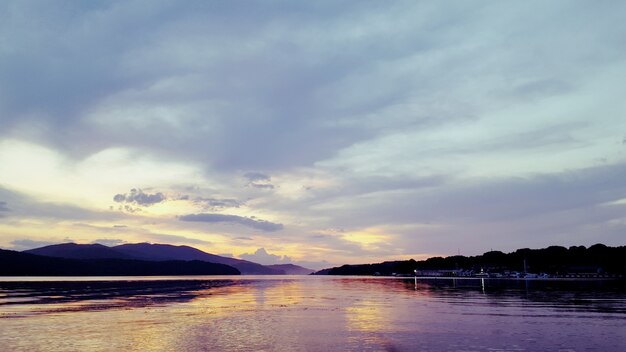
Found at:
(314, 132)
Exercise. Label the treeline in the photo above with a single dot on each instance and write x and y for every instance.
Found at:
(22, 264)
(554, 260)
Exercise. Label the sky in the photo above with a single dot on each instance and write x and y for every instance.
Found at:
(313, 132)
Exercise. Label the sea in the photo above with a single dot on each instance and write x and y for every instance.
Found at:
(310, 313)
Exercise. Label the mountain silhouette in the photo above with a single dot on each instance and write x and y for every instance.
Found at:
(150, 252)
(292, 269)
(153, 251)
(14, 263)
(79, 251)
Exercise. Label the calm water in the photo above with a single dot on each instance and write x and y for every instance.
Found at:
(296, 313)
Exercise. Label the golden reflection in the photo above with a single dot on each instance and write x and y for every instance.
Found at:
(368, 314)
(264, 295)
(367, 317)
(237, 317)
(148, 334)
(272, 314)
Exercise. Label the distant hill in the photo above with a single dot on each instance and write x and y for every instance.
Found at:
(79, 251)
(385, 268)
(149, 252)
(291, 269)
(153, 251)
(555, 260)
(14, 263)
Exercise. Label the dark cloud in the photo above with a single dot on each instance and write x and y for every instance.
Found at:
(4, 208)
(129, 209)
(268, 83)
(523, 197)
(217, 203)
(254, 223)
(497, 199)
(259, 180)
(261, 185)
(138, 197)
(570, 207)
(285, 108)
(256, 176)
(199, 198)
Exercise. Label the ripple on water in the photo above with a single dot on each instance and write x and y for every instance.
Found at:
(312, 314)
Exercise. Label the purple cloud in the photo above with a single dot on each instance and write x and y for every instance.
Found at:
(257, 224)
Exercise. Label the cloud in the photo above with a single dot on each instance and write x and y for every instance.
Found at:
(570, 207)
(3, 208)
(244, 238)
(262, 257)
(217, 203)
(258, 180)
(254, 223)
(138, 197)
(26, 244)
(256, 176)
(261, 185)
(99, 228)
(131, 234)
(314, 99)
(504, 199)
(175, 239)
(109, 242)
(140, 72)
(423, 118)
(25, 206)
(129, 209)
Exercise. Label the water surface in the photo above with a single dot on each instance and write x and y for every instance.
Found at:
(310, 313)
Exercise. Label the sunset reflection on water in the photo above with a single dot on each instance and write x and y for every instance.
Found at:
(326, 313)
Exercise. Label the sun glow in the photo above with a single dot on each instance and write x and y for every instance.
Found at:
(369, 238)
(48, 176)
